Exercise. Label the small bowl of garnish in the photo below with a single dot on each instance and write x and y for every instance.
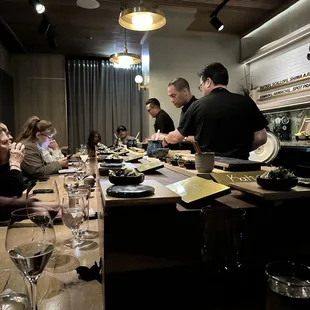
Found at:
(125, 176)
(113, 159)
(278, 179)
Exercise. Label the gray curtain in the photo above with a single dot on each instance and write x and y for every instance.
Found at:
(102, 97)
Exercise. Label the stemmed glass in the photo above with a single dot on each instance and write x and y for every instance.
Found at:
(71, 183)
(85, 191)
(83, 153)
(30, 240)
(73, 214)
(80, 172)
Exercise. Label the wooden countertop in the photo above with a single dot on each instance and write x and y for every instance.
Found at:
(59, 286)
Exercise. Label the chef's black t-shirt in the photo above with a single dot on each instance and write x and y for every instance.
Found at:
(223, 122)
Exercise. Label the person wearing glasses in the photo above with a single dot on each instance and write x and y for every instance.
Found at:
(163, 122)
(229, 124)
(11, 157)
(37, 134)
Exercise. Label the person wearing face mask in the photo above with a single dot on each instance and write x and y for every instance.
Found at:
(228, 124)
(11, 157)
(36, 136)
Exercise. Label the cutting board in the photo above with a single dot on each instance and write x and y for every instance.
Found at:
(197, 192)
(254, 189)
(235, 164)
(162, 195)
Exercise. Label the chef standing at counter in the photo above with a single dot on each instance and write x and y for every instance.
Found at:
(226, 123)
(181, 97)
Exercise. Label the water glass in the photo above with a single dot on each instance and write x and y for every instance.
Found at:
(13, 290)
(288, 286)
(73, 214)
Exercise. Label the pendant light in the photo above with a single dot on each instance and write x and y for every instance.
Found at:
(125, 59)
(141, 18)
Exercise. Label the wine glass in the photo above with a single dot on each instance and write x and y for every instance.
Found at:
(30, 241)
(80, 172)
(83, 153)
(71, 183)
(73, 214)
(85, 191)
(13, 290)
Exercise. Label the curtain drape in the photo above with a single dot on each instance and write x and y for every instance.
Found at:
(101, 97)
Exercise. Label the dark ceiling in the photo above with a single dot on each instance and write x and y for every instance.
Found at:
(97, 32)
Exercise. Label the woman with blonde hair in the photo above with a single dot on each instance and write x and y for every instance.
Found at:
(37, 135)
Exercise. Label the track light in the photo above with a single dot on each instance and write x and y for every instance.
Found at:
(44, 25)
(39, 7)
(216, 23)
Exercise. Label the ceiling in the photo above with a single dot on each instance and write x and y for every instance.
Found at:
(97, 32)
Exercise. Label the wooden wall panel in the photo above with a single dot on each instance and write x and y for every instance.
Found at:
(40, 89)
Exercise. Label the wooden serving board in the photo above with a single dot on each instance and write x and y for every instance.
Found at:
(234, 164)
(162, 195)
(254, 189)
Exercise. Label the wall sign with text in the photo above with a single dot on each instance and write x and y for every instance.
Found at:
(285, 91)
(283, 82)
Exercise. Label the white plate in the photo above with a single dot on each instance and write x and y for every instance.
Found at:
(267, 152)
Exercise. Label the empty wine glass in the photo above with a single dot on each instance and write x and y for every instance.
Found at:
(71, 183)
(73, 214)
(80, 172)
(85, 190)
(30, 241)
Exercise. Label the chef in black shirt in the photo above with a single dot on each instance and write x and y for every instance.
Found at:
(163, 121)
(181, 97)
(226, 123)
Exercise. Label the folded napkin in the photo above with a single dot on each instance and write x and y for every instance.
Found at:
(90, 274)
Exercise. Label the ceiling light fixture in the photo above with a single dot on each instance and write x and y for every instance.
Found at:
(125, 59)
(214, 21)
(141, 18)
(39, 7)
(88, 4)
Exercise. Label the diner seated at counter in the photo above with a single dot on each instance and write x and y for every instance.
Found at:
(37, 135)
(11, 157)
(228, 124)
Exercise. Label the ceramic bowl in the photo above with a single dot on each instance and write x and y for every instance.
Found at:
(122, 180)
(277, 184)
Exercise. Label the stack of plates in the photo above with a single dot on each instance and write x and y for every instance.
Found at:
(267, 152)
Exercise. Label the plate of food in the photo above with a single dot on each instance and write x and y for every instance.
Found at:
(113, 158)
(125, 176)
(277, 179)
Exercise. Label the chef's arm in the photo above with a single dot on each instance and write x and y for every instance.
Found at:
(260, 138)
(173, 137)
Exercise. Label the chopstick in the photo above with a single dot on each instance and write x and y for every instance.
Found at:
(137, 135)
(196, 147)
(157, 136)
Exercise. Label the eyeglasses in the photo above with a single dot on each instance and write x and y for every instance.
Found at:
(150, 109)
(200, 86)
(46, 135)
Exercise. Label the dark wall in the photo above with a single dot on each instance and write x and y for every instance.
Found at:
(7, 100)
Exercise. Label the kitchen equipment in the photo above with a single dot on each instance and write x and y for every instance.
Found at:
(267, 152)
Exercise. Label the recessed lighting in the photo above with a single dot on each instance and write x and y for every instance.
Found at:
(88, 4)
